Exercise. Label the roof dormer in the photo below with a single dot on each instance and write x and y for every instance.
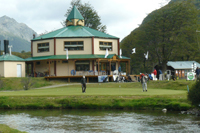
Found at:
(75, 18)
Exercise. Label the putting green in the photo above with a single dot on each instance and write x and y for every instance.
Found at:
(70, 90)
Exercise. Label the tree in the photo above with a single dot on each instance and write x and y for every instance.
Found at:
(171, 32)
(168, 34)
(92, 19)
(193, 94)
(27, 83)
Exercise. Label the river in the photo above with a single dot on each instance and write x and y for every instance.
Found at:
(94, 121)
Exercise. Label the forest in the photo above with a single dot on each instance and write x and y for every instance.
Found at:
(171, 33)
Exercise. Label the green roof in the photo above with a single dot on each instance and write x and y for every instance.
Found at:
(75, 31)
(8, 57)
(75, 14)
(88, 56)
(182, 64)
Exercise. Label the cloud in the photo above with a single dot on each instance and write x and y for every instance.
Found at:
(120, 17)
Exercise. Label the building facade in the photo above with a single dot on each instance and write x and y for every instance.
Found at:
(76, 50)
(181, 68)
(12, 66)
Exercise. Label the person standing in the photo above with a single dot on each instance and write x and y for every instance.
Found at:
(144, 80)
(160, 75)
(155, 74)
(198, 72)
(83, 83)
(119, 70)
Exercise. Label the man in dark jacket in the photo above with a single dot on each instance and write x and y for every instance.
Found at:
(83, 83)
(197, 72)
(119, 70)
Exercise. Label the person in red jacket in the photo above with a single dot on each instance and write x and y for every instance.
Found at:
(155, 73)
(141, 74)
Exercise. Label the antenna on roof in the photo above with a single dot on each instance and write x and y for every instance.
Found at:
(10, 46)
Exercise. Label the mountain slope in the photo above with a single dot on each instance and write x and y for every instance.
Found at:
(18, 34)
(168, 34)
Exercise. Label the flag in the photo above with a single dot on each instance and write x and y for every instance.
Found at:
(67, 54)
(120, 53)
(146, 55)
(106, 53)
(133, 50)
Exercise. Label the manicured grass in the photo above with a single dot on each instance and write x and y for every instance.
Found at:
(99, 96)
(7, 129)
(97, 91)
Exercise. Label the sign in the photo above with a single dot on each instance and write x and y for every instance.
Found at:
(101, 78)
(190, 76)
(115, 77)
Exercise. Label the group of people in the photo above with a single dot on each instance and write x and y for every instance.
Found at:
(143, 78)
(197, 72)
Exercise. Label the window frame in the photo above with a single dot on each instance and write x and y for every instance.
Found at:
(75, 45)
(101, 45)
(43, 46)
(82, 62)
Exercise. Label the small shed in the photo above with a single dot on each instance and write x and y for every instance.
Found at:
(12, 66)
(180, 68)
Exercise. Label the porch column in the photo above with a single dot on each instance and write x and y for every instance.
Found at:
(110, 66)
(49, 69)
(98, 66)
(34, 69)
(126, 68)
(129, 67)
(27, 70)
(55, 68)
(92, 45)
(118, 64)
(93, 65)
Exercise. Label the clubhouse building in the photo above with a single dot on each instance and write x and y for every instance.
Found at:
(76, 50)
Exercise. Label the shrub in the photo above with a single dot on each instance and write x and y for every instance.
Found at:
(194, 94)
(27, 83)
(1, 83)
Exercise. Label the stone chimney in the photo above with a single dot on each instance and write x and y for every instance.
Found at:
(6, 43)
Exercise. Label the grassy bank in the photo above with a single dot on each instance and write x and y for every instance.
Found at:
(15, 83)
(7, 129)
(161, 94)
(95, 102)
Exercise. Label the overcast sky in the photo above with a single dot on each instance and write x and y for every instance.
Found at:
(120, 16)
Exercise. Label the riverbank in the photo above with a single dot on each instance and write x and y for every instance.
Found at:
(7, 129)
(96, 102)
(161, 94)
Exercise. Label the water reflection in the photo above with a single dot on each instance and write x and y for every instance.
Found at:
(54, 121)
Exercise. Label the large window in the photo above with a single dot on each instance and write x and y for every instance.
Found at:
(105, 45)
(43, 47)
(82, 65)
(75, 45)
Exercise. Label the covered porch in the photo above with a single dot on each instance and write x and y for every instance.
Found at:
(57, 66)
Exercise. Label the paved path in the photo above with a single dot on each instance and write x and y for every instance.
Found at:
(59, 85)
